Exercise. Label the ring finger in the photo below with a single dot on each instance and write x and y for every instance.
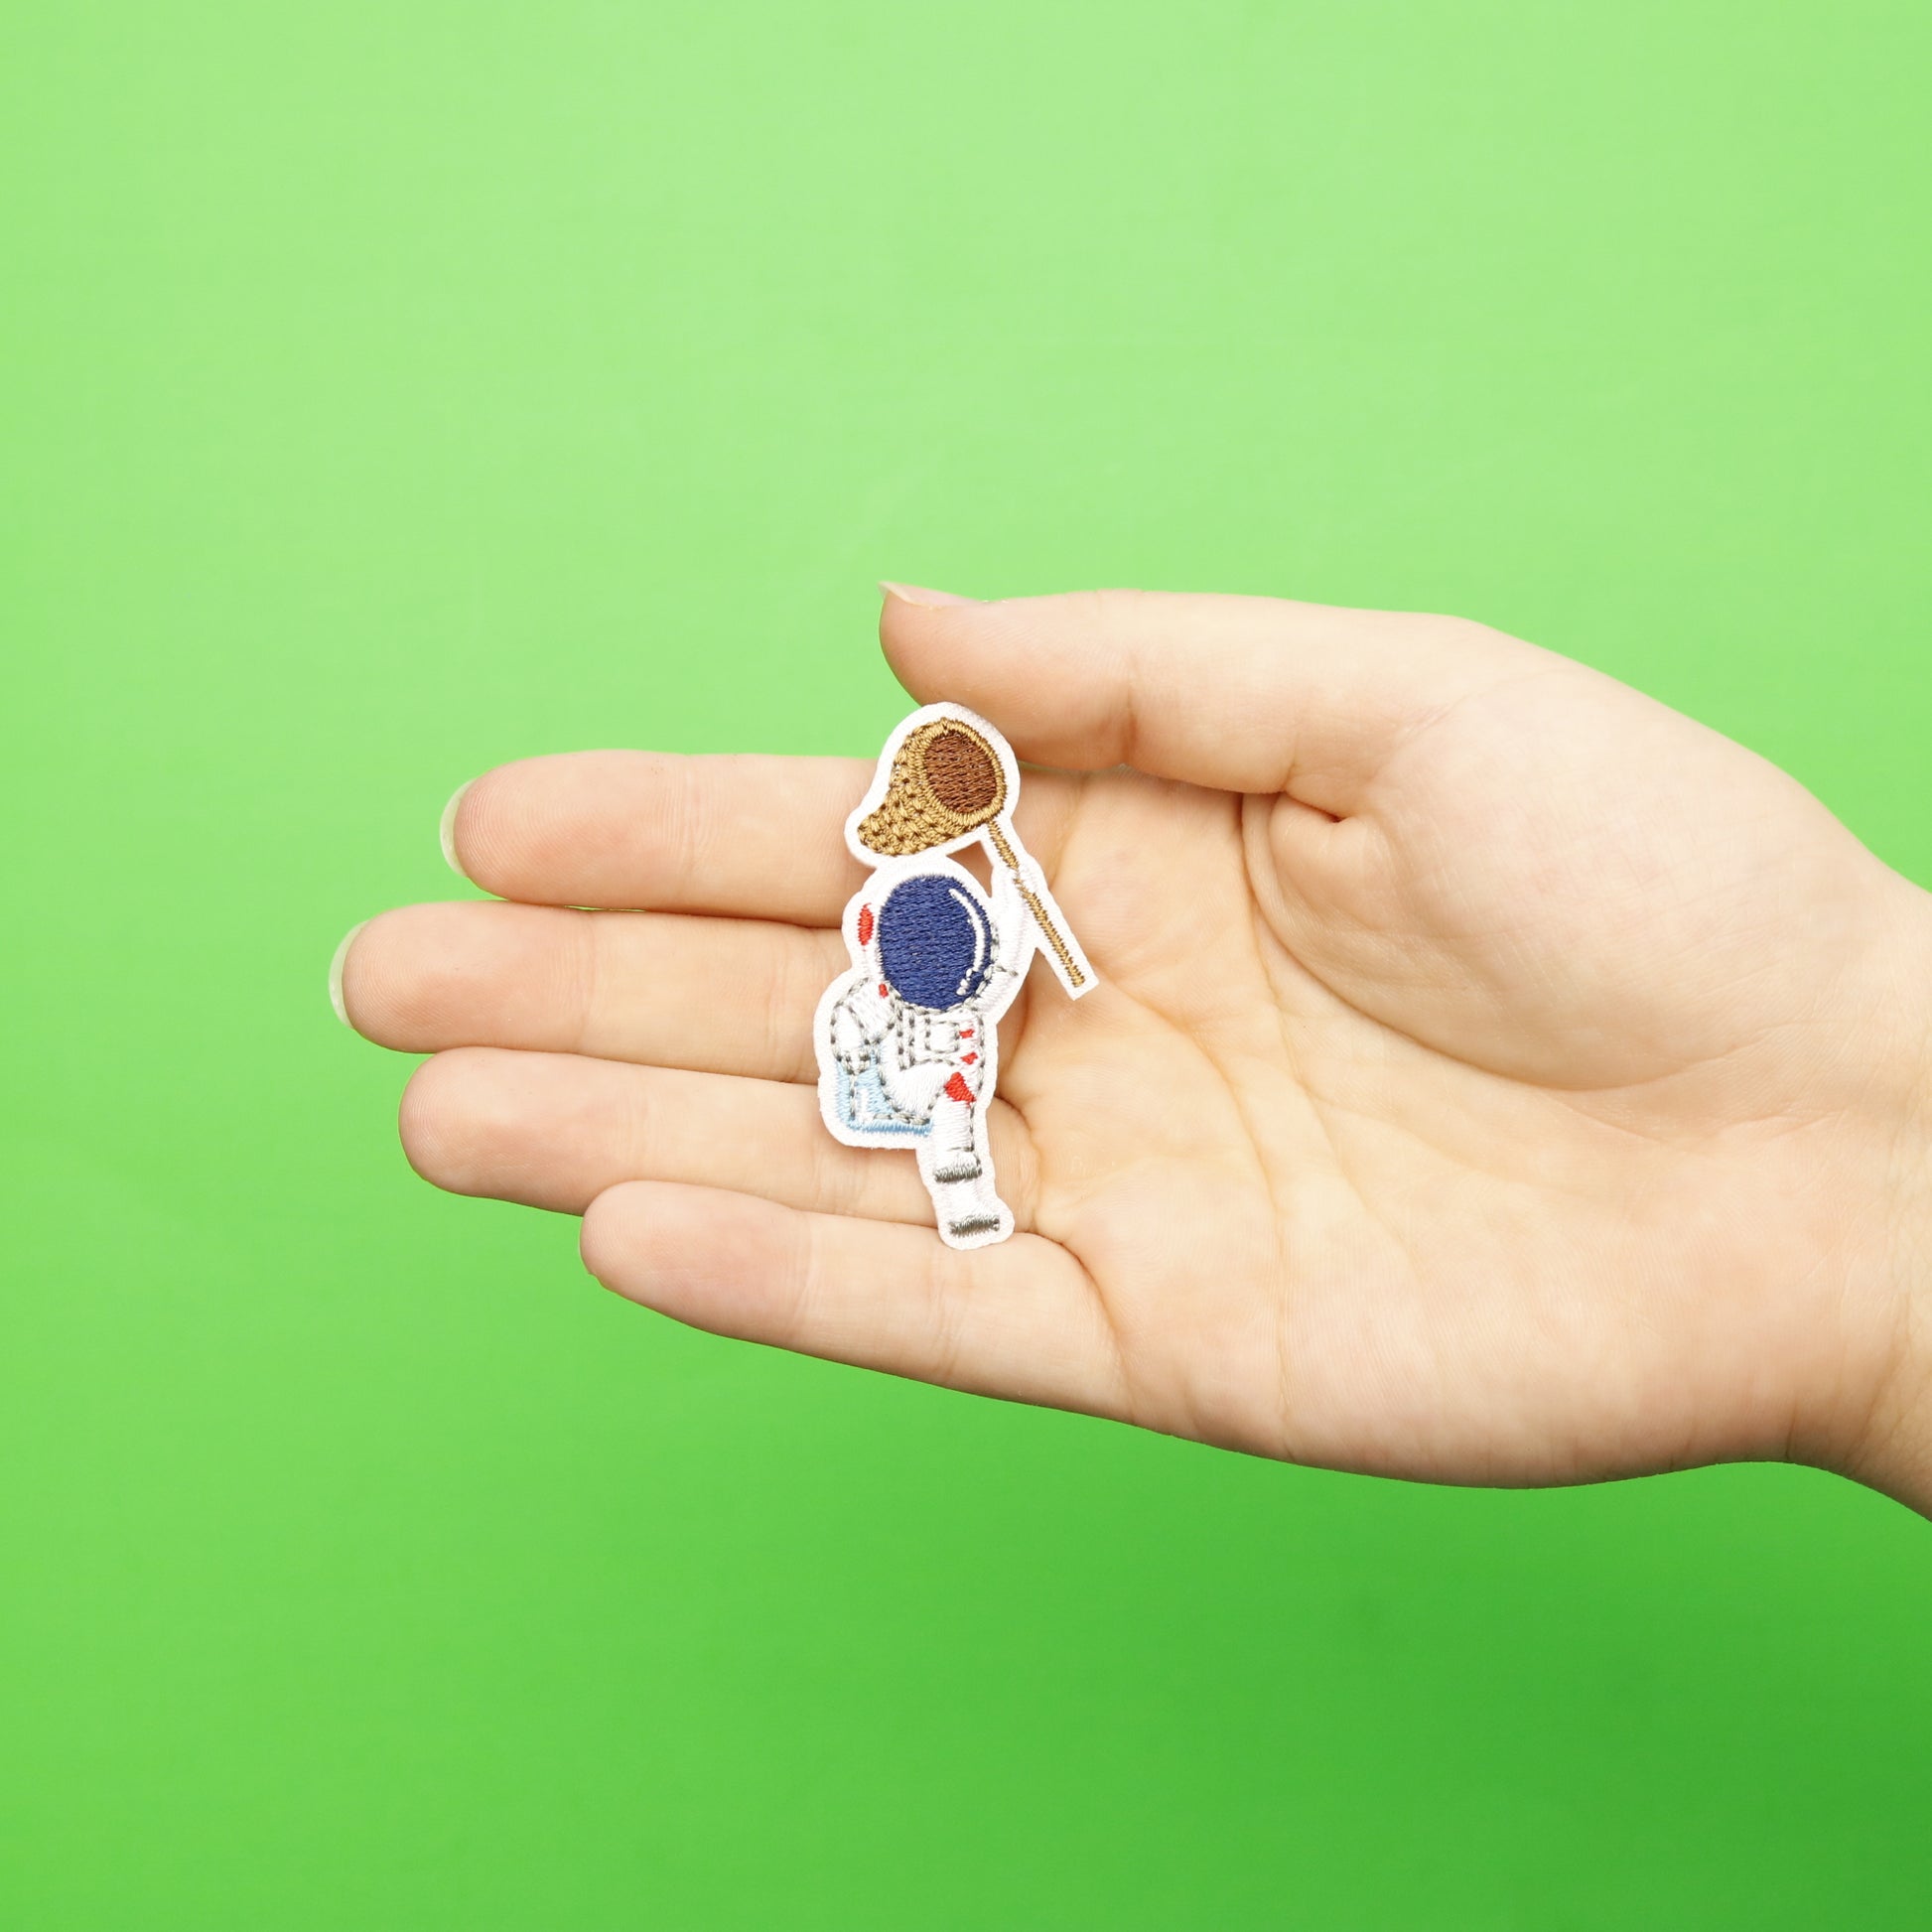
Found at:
(555, 1129)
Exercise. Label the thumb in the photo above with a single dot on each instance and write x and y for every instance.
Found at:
(1241, 693)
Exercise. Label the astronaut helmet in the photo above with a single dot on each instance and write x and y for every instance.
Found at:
(930, 938)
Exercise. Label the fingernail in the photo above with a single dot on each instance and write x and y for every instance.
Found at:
(446, 831)
(928, 599)
(335, 966)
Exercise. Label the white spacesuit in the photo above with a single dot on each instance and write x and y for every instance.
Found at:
(909, 1039)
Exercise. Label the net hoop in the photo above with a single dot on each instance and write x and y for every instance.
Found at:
(912, 817)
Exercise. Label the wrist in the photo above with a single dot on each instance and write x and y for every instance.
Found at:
(1887, 1443)
(1890, 1446)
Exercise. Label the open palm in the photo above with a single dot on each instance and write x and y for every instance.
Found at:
(1494, 1076)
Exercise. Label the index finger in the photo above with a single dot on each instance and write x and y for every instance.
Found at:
(1248, 694)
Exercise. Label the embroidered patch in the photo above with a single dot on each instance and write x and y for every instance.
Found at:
(907, 1039)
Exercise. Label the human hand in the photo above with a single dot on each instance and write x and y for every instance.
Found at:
(1494, 1077)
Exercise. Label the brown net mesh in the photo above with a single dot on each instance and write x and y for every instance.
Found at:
(945, 782)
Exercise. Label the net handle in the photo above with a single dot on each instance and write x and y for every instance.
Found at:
(1069, 966)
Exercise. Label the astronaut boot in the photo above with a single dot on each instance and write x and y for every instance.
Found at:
(969, 1211)
(958, 1176)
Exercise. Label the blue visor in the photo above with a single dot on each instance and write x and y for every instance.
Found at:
(936, 942)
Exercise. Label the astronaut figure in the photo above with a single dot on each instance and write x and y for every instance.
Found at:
(908, 1040)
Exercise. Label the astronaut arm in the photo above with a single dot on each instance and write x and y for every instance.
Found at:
(1013, 926)
(1013, 942)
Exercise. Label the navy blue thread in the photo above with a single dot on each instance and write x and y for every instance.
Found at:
(936, 941)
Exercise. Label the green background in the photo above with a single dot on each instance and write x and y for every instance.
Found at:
(392, 389)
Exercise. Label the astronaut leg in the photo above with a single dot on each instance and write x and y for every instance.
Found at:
(958, 1173)
(952, 1150)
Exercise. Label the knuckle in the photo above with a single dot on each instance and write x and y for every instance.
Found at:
(582, 971)
(1463, 642)
(643, 1122)
(946, 1288)
(837, 1180)
(780, 1044)
(790, 994)
(800, 1287)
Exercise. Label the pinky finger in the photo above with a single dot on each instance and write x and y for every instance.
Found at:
(1020, 1319)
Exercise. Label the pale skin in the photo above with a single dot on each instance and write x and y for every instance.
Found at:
(1495, 1076)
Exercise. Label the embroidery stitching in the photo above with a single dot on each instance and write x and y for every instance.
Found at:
(907, 1039)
